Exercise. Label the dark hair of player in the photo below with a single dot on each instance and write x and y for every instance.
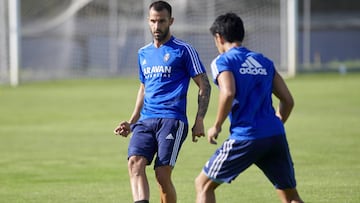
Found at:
(161, 5)
(229, 26)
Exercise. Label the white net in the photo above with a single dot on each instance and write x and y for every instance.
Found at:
(96, 38)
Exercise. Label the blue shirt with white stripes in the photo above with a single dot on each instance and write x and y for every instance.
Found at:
(166, 71)
(252, 115)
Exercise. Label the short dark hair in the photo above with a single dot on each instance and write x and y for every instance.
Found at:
(229, 26)
(161, 5)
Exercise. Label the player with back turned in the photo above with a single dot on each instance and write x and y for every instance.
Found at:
(246, 82)
(159, 123)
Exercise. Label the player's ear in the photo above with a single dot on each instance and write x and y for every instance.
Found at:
(219, 39)
(171, 20)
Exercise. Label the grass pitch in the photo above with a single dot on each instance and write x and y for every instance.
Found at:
(57, 144)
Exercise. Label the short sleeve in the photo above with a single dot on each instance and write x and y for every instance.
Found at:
(218, 65)
(193, 62)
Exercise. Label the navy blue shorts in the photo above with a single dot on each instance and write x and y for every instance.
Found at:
(270, 154)
(163, 137)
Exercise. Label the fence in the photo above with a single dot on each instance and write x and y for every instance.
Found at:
(98, 38)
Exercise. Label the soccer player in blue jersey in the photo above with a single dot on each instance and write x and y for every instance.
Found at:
(246, 82)
(159, 123)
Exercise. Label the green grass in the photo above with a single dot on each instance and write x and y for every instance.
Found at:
(57, 145)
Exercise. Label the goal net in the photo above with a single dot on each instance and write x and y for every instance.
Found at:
(97, 38)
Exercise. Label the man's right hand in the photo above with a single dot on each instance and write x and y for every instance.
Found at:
(123, 129)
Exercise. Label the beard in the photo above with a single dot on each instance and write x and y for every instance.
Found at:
(160, 35)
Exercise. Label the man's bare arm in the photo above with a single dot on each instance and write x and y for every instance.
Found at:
(202, 82)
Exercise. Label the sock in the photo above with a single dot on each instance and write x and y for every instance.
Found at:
(142, 201)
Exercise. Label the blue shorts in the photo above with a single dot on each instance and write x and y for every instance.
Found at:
(160, 136)
(270, 154)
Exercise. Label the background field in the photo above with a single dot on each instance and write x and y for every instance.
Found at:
(57, 145)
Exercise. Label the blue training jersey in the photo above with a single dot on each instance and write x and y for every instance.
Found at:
(252, 115)
(166, 73)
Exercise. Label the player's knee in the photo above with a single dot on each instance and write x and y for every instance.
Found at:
(163, 179)
(200, 184)
(163, 175)
(136, 165)
(204, 185)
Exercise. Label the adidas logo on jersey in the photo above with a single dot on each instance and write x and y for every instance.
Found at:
(252, 67)
(169, 137)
